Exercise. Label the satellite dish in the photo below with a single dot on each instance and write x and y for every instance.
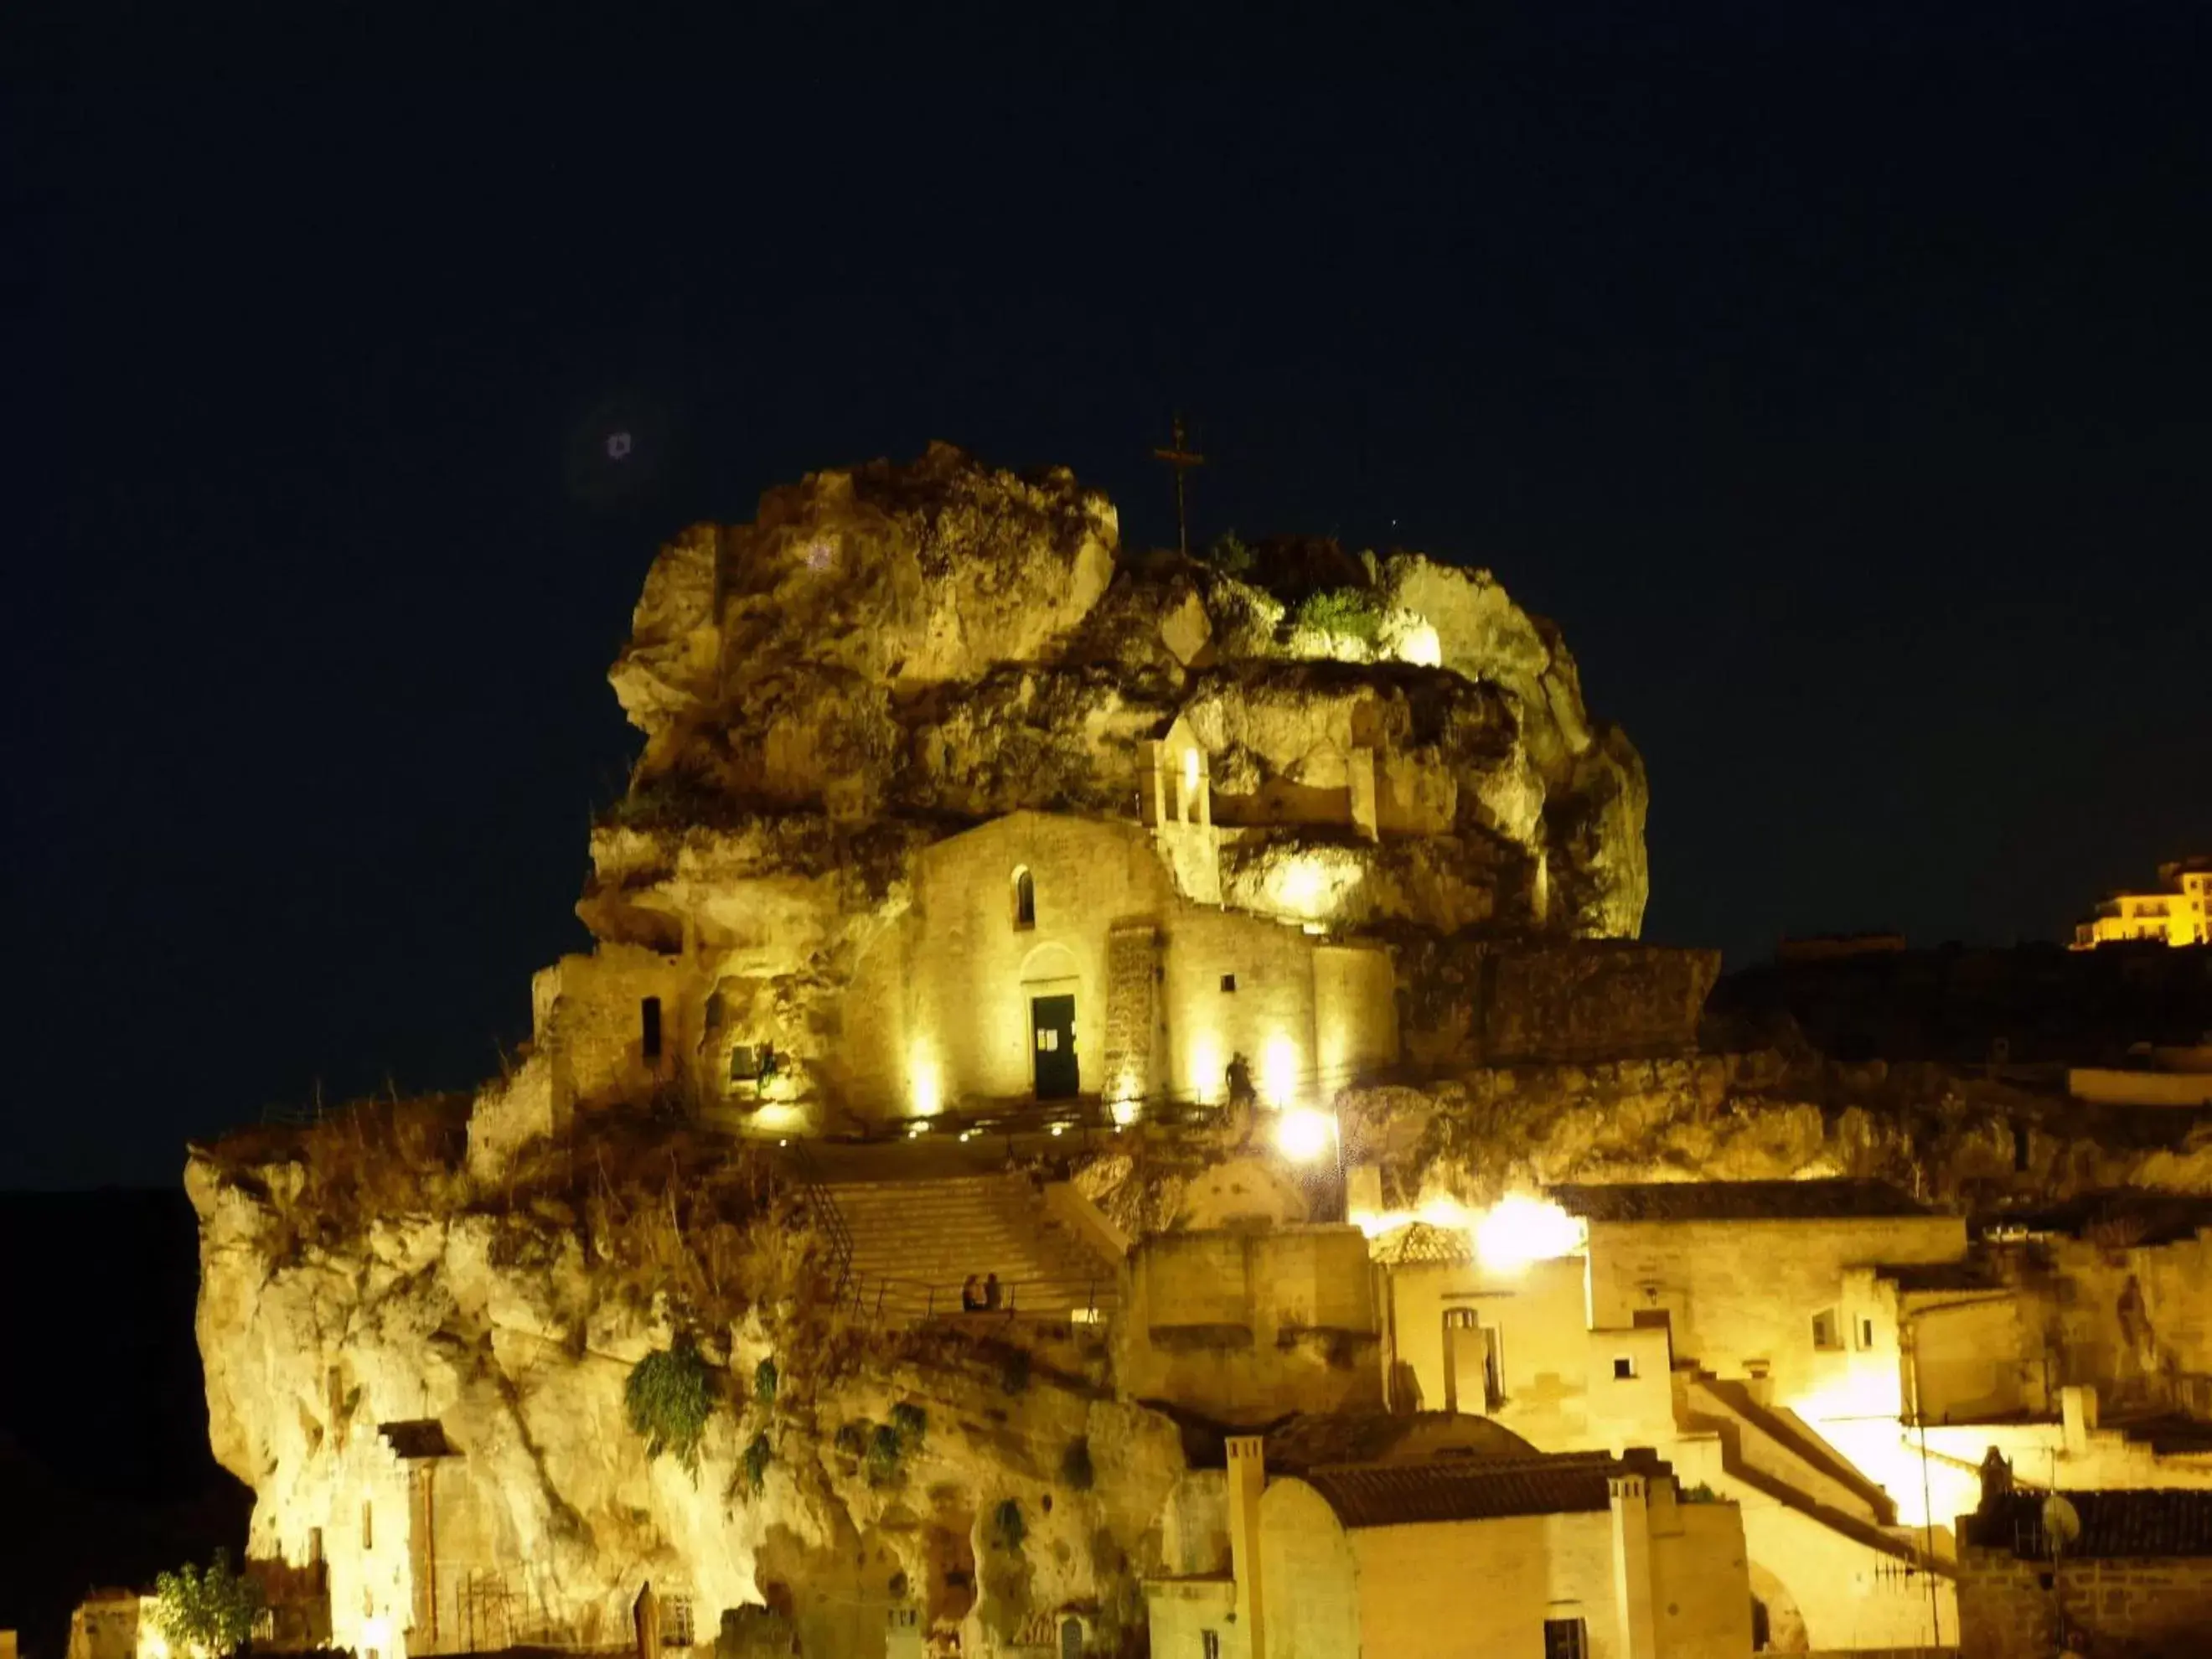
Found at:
(2062, 1523)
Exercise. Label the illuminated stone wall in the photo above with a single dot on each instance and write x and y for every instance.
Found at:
(1409, 1591)
(1739, 1291)
(1247, 1327)
(1167, 991)
(1539, 1314)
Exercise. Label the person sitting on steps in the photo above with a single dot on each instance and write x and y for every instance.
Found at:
(971, 1296)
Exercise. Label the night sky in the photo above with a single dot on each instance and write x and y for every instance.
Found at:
(1845, 392)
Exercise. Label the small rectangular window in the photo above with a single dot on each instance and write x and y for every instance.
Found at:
(1566, 1638)
(367, 1527)
(1229, 982)
(1209, 1642)
(744, 1062)
(676, 1621)
(1827, 1330)
(649, 1012)
(1623, 1367)
(1866, 1332)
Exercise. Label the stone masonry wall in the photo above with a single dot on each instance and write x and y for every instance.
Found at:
(2153, 1608)
(1133, 955)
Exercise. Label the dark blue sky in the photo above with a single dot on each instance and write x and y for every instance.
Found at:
(1846, 394)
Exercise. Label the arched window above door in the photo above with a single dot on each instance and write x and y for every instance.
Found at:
(1024, 897)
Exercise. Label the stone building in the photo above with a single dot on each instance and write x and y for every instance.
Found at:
(2179, 913)
(2126, 1575)
(1741, 1328)
(1443, 1539)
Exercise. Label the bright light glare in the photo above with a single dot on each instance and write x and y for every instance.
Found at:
(1206, 1072)
(1419, 644)
(1279, 1071)
(1127, 1112)
(924, 1092)
(1190, 770)
(1304, 1134)
(1518, 1229)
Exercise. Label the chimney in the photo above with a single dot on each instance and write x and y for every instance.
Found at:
(2077, 1413)
(1632, 1564)
(1247, 1478)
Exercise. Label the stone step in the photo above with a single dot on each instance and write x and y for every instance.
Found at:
(917, 1242)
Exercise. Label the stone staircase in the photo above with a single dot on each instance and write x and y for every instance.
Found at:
(914, 1242)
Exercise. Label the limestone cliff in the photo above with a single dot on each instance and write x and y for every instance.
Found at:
(363, 1304)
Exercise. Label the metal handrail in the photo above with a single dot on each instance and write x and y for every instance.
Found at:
(827, 1219)
(876, 1294)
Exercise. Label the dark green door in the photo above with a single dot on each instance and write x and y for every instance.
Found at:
(1052, 1034)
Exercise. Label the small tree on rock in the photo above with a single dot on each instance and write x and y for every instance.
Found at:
(209, 1613)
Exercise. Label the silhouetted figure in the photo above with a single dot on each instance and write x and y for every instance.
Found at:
(971, 1296)
(1239, 1120)
(991, 1292)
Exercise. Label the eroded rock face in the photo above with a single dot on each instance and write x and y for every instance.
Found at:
(333, 1331)
(947, 642)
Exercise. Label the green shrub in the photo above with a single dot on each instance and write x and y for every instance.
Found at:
(1700, 1493)
(1229, 554)
(668, 1399)
(758, 1456)
(885, 1451)
(1014, 1371)
(764, 1382)
(1351, 612)
(852, 1439)
(911, 1422)
(1008, 1529)
(210, 1613)
(1076, 1471)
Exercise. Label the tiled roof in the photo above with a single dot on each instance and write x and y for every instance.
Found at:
(1418, 1242)
(419, 1437)
(2115, 1525)
(1314, 1438)
(1925, 1276)
(1465, 1488)
(1737, 1200)
(2170, 1434)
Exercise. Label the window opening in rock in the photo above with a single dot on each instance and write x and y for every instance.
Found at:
(648, 1014)
(1827, 1331)
(315, 1546)
(1624, 1368)
(1566, 1638)
(367, 1526)
(744, 1062)
(1229, 982)
(1866, 1332)
(1209, 1643)
(1024, 897)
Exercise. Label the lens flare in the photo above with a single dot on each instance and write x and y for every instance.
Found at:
(1305, 1135)
(1518, 1229)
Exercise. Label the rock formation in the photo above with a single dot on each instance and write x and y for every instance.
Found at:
(943, 642)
